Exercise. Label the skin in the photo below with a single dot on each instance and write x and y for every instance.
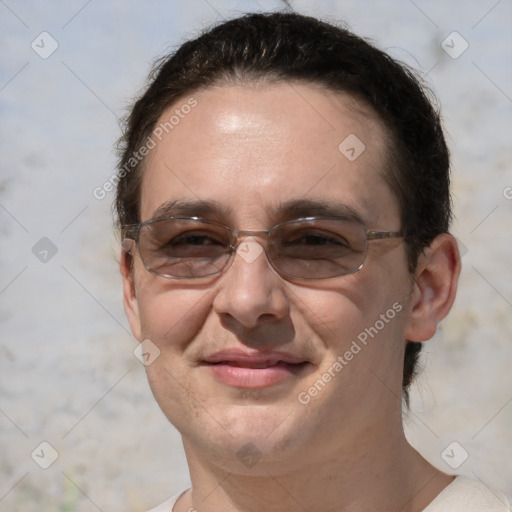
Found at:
(248, 148)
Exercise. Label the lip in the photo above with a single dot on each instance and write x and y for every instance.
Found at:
(253, 369)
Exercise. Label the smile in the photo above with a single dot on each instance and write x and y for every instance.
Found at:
(247, 375)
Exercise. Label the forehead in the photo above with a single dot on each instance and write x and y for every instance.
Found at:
(249, 150)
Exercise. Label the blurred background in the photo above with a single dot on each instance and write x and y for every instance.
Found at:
(68, 376)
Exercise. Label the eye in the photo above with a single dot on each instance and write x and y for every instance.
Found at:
(322, 240)
(312, 239)
(193, 244)
(195, 239)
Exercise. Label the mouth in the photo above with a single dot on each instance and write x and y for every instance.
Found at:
(255, 374)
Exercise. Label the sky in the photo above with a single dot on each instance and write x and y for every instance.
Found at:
(68, 72)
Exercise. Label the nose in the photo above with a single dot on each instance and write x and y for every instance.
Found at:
(250, 291)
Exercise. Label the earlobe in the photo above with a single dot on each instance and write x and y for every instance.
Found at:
(130, 302)
(435, 287)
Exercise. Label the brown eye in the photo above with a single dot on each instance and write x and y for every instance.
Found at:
(314, 239)
(194, 240)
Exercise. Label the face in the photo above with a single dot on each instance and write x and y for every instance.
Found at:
(259, 154)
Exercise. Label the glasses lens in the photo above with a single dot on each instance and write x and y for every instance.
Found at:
(184, 248)
(312, 249)
(319, 249)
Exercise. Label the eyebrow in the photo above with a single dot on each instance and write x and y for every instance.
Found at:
(281, 211)
(199, 208)
(309, 207)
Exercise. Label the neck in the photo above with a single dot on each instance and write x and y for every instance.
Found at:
(375, 472)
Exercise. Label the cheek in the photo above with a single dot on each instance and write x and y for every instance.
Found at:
(170, 316)
(171, 388)
(361, 323)
(339, 312)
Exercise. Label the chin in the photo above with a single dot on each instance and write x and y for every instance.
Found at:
(271, 430)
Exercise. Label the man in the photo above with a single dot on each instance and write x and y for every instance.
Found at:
(284, 203)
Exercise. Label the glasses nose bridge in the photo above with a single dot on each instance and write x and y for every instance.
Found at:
(238, 235)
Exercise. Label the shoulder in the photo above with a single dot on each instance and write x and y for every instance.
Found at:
(168, 505)
(467, 495)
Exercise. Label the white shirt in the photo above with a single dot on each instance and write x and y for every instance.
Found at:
(462, 495)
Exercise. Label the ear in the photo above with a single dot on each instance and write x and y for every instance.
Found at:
(435, 287)
(130, 302)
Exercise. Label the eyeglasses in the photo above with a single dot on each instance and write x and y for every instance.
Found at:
(305, 248)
